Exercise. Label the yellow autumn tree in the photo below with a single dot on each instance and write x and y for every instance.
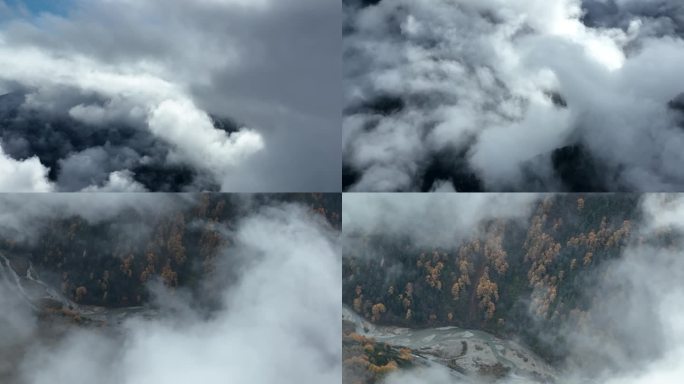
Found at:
(169, 277)
(487, 293)
(377, 310)
(384, 369)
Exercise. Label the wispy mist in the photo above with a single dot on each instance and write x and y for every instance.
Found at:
(562, 95)
(275, 320)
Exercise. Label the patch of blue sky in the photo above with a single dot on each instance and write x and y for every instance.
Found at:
(38, 7)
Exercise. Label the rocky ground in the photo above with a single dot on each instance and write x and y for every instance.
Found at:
(469, 354)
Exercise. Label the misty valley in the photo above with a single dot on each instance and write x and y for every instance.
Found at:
(55, 314)
(512, 288)
(166, 288)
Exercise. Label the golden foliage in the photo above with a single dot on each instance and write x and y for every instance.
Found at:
(150, 267)
(463, 280)
(358, 360)
(384, 369)
(542, 298)
(405, 354)
(377, 310)
(493, 248)
(603, 238)
(487, 293)
(358, 338)
(169, 277)
(432, 278)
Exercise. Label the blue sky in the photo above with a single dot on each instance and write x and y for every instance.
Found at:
(39, 6)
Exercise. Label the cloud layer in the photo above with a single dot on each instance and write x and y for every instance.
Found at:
(449, 218)
(277, 320)
(168, 77)
(513, 96)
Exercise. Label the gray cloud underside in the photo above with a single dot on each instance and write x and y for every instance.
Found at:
(165, 66)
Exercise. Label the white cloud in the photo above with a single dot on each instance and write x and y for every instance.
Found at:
(452, 218)
(432, 375)
(118, 181)
(477, 79)
(23, 176)
(192, 132)
(280, 320)
(177, 62)
(22, 218)
(170, 114)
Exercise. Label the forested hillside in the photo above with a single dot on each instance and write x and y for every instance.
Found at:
(513, 278)
(110, 262)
